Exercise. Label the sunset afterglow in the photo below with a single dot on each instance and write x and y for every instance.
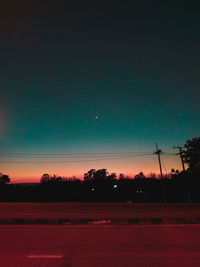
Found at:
(76, 81)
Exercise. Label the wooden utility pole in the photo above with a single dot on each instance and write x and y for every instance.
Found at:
(158, 152)
(181, 155)
(183, 166)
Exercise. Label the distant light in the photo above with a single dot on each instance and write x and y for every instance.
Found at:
(92, 189)
(115, 186)
(96, 117)
(140, 192)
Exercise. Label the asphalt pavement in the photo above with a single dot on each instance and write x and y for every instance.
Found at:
(149, 245)
(111, 213)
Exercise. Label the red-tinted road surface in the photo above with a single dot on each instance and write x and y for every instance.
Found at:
(100, 246)
(98, 210)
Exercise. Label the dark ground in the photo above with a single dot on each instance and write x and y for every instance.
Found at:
(98, 210)
(127, 246)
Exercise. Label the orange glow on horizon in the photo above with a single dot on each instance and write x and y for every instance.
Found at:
(129, 167)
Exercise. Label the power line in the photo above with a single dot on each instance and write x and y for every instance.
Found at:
(75, 161)
(169, 154)
(70, 154)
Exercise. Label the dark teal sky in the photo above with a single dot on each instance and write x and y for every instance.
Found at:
(135, 66)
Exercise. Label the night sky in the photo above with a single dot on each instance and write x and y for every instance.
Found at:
(80, 77)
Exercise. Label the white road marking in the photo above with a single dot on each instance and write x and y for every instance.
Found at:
(45, 256)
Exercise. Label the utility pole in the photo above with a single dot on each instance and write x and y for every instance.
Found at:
(158, 152)
(181, 155)
(183, 166)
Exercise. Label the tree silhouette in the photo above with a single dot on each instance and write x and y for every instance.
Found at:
(121, 176)
(4, 179)
(50, 178)
(152, 175)
(112, 176)
(55, 179)
(88, 176)
(45, 178)
(140, 175)
(101, 174)
(191, 154)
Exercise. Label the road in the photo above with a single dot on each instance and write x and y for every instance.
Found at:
(98, 210)
(175, 245)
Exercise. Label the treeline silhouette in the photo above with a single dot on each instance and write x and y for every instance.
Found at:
(177, 187)
(99, 185)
